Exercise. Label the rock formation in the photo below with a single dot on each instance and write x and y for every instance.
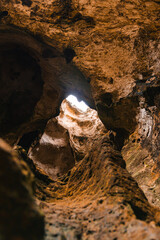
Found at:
(53, 153)
(19, 216)
(85, 165)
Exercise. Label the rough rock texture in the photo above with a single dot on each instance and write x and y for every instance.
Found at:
(53, 153)
(19, 215)
(143, 168)
(115, 43)
(34, 74)
(109, 48)
(98, 199)
(84, 127)
(141, 153)
(66, 139)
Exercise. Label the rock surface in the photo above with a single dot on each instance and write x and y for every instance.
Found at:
(36, 84)
(84, 127)
(107, 53)
(116, 46)
(141, 154)
(53, 153)
(19, 215)
(98, 199)
(66, 139)
(98, 191)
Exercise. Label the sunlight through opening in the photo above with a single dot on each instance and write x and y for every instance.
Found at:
(74, 102)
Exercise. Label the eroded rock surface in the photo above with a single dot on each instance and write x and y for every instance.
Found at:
(53, 153)
(98, 199)
(116, 46)
(141, 152)
(34, 79)
(19, 215)
(66, 139)
(77, 46)
(84, 127)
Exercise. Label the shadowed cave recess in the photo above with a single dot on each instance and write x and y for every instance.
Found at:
(71, 171)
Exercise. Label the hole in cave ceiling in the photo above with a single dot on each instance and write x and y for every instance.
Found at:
(22, 86)
(27, 139)
(23, 80)
(55, 152)
(75, 103)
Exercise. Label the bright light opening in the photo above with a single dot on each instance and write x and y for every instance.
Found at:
(74, 102)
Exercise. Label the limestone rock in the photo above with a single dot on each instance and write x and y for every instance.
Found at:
(66, 139)
(116, 45)
(34, 79)
(106, 52)
(141, 152)
(84, 127)
(98, 199)
(53, 153)
(19, 215)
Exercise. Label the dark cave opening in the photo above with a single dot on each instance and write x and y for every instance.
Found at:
(152, 96)
(3, 14)
(69, 54)
(21, 86)
(27, 3)
(139, 212)
(28, 138)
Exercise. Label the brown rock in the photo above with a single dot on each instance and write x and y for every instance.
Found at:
(19, 215)
(84, 127)
(53, 152)
(115, 46)
(99, 199)
(111, 47)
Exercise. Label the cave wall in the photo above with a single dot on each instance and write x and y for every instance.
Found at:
(53, 152)
(33, 87)
(20, 217)
(115, 44)
(98, 199)
(84, 127)
(66, 140)
(20, 76)
(117, 51)
(106, 52)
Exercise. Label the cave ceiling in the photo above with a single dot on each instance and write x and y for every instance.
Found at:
(77, 175)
